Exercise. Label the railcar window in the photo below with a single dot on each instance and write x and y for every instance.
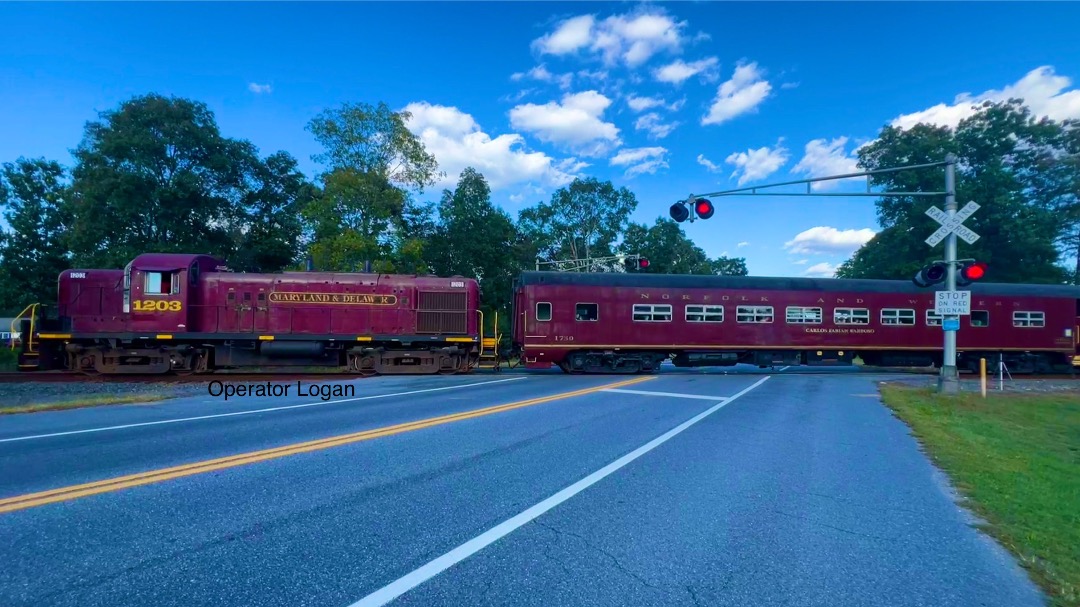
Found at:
(652, 313)
(980, 318)
(758, 314)
(897, 316)
(1029, 319)
(704, 313)
(543, 311)
(804, 316)
(161, 283)
(851, 316)
(586, 311)
(933, 319)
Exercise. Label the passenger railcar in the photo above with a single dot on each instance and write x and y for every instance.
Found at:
(187, 314)
(614, 322)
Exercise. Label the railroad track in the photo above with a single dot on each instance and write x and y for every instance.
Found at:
(65, 377)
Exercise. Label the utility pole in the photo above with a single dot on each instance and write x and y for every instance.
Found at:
(949, 380)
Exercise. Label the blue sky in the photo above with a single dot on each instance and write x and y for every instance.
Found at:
(667, 99)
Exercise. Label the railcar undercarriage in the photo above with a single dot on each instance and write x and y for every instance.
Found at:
(106, 357)
(633, 361)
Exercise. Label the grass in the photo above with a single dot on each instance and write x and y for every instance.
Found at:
(1016, 457)
(79, 403)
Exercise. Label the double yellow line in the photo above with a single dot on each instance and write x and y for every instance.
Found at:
(63, 494)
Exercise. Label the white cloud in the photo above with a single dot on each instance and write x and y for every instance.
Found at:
(630, 38)
(259, 89)
(679, 71)
(823, 158)
(641, 160)
(821, 270)
(542, 74)
(597, 75)
(759, 163)
(1041, 89)
(739, 95)
(640, 104)
(789, 85)
(456, 141)
(708, 164)
(801, 262)
(657, 128)
(742, 244)
(828, 240)
(575, 123)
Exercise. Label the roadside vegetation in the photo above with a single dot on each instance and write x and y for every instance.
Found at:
(79, 403)
(1016, 457)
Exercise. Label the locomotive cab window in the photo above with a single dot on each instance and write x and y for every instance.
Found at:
(1029, 319)
(586, 311)
(897, 317)
(754, 314)
(652, 313)
(851, 316)
(704, 313)
(543, 311)
(980, 318)
(803, 316)
(161, 283)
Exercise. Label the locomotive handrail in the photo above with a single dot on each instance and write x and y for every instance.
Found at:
(29, 346)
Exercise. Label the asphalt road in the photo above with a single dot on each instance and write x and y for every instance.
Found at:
(800, 490)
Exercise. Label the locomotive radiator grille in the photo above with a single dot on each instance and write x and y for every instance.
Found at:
(441, 312)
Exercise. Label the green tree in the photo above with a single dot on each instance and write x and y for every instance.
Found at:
(276, 192)
(994, 170)
(374, 139)
(350, 221)
(669, 251)
(156, 174)
(34, 252)
(583, 220)
(475, 238)
(365, 212)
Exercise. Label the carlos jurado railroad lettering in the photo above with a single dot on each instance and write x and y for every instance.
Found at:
(323, 391)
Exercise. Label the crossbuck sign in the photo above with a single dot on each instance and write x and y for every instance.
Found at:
(954, 224)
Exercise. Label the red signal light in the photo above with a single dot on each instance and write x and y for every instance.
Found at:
(704, 208)
(643, 263)
(975, 271)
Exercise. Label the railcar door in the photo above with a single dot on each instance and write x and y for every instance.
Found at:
(156, 299)
(245, 312)
(262, 313)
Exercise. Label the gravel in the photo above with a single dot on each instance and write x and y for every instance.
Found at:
(35, 393)
(1010, 385)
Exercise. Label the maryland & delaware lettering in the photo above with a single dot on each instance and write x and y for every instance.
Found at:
(323, 391)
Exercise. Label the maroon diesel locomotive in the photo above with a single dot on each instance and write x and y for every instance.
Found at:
(189, 314)
(606, 323)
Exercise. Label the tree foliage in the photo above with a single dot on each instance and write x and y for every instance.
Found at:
(157, 175)
(582, 220)
(373, 139)
(999, 149)
(475, 238)
(33, 251)
(669, 251)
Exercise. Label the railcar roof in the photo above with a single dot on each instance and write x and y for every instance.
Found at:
(701, 281)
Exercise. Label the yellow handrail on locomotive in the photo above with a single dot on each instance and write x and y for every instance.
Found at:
(29, 345)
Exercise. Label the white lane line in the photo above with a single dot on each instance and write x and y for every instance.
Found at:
(785, 368)
(235, 413)
(671, 394)
(418, 576)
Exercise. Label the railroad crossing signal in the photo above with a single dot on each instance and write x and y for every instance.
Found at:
(954, 224)
(700, 208)
(931, 275)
